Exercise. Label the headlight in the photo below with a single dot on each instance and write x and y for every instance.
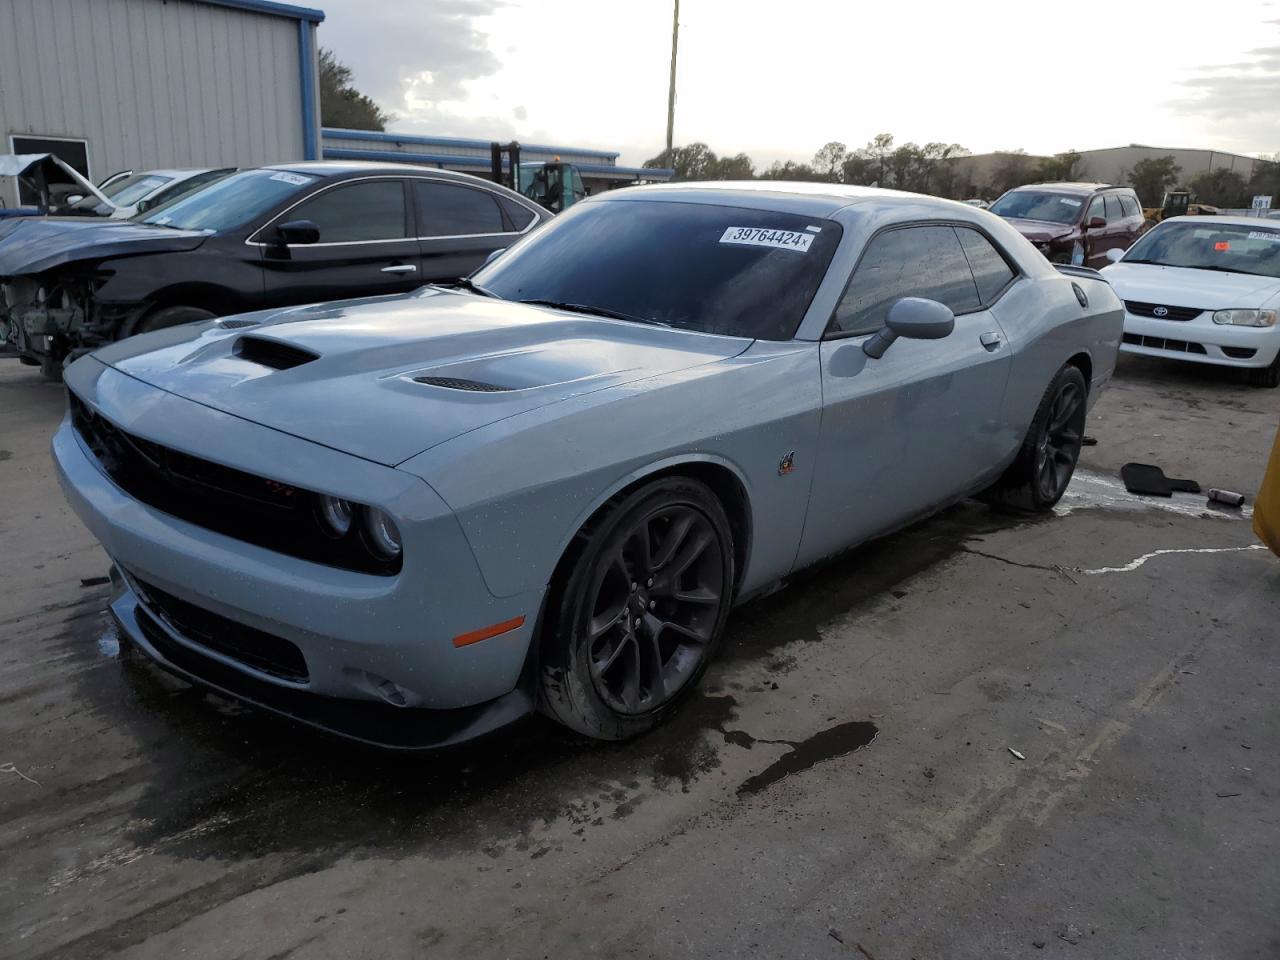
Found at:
(335, 516)
(384, 538)
(1246, 318)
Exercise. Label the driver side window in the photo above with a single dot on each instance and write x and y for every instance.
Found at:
(923, 261)
(1097, 208)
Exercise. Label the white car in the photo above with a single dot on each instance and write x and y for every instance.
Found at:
(1205, 289)
(135, 193)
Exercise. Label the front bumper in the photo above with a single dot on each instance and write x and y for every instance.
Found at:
(1200, 340)
(376, 724)
(368, 641)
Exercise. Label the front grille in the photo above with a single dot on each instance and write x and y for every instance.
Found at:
(1163, 343)
(263, 651)
(231, 502)
(1140, 309)
(1239, 353)
(458, 383)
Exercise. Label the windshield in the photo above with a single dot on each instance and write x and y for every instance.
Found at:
(730, 270)
(1211, 246)
(1039, 205)
(124, 192)
(228, 202)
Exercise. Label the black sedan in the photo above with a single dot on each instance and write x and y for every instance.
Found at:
(268, 237)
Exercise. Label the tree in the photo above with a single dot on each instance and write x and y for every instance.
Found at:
(879, 148)
(1266, 179)
(791, 171)
(830, 159)
(1152, 176)
(737, 167)
(858, 168)
(341, 104)
(1221, 188)
(1061, 166)
(697, 161)
(1014, 169)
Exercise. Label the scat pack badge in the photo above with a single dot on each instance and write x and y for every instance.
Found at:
(787, 464)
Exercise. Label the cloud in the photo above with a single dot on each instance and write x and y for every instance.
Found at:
(1237, 99)
(410, 54)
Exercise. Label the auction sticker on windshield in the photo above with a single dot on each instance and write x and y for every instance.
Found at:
(1264, 235)
(296, 179)
(767, 237)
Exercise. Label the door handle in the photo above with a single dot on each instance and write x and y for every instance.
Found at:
(991, 340)
(400, 268)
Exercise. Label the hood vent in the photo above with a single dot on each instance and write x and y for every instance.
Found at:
(272, 353)
(458, 383)
(235, 323)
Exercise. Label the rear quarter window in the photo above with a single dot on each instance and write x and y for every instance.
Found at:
(991, 271)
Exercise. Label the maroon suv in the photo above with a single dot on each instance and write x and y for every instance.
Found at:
(1074, 222)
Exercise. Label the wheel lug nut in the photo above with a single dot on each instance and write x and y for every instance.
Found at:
(652, 604)
(634, 587)
(649, 583)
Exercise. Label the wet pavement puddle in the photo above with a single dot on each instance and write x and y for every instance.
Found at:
(829, 744)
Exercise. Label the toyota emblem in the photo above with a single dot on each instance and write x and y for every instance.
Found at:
(1160, 311)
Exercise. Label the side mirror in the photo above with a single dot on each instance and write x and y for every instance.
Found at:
(914, 318)
(1115, 254)
(1096, 222)
(298, 231)
(72, 198)
(493, 255)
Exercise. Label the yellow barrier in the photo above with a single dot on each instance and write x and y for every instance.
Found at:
(1266, 510)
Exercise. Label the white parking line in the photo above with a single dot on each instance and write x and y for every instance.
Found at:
(1136, 563)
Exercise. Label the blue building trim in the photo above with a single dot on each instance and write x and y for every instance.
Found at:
(453, 160)
(307, 63)
(334, 133)
(270, 7)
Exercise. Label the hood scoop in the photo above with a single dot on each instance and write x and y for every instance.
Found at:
(461, 383)
(272, 353)
(236, 323)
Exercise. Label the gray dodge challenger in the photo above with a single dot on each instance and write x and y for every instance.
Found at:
(413, 519)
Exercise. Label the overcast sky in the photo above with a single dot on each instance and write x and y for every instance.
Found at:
(779, 79)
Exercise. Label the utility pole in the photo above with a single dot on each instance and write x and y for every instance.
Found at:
(671, 91)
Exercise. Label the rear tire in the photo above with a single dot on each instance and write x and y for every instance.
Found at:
(641, 611)
(1038, 476)
(170, 317)
(1266, 377)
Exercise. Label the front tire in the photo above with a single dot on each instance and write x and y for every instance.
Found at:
(1267, 377)
(641, 611)
(1039, 475)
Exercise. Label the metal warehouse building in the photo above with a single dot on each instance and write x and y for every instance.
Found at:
(117, 84)
(599, 168)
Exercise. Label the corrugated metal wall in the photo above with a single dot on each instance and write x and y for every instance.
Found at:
(150, 83)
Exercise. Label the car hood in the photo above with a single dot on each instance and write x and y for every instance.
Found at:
(1184, 287)
(30, 245)
(1040, 230)
(351, 375)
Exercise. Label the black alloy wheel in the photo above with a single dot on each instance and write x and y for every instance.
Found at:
(654, 609)
(640, 611)
(1060, 441)
(1046, 461)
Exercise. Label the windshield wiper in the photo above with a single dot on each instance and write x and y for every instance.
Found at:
(1217, 269)
(593, 311)
(467, 284)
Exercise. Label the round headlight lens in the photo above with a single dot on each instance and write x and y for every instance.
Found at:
(335, 516)
(384, 538)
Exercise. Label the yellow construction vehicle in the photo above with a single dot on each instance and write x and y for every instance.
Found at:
(1177, 203)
